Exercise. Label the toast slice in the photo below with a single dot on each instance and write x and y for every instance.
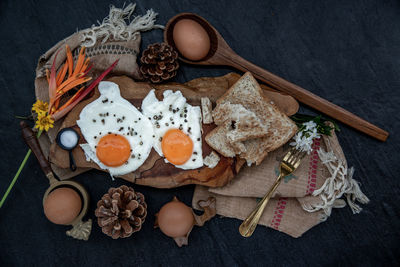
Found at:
(217, 140)
(245, 124)
(248, 93)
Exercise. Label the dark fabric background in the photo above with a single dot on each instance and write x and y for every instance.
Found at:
(345, 51)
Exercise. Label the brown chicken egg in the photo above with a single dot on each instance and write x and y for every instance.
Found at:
(62, 205)
(191, 40)
(175, 219)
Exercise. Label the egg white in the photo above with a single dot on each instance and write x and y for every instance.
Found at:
(174, 113)
(112, 114)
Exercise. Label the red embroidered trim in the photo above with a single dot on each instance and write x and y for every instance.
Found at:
(312, 170)
(280, 208)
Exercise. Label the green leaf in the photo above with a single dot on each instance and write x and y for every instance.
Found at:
(322, 128)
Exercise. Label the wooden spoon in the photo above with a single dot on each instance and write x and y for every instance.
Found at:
(221, 54)
(80, 229)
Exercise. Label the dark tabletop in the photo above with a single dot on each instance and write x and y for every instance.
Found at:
(345, 51)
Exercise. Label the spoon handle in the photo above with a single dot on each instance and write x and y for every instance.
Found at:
(31, 140)
(308, 98)
(72, 164)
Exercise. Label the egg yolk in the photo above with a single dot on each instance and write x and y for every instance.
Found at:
(176, 146)
(113, 150)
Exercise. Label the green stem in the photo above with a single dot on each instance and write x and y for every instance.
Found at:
(15, 177)
(24, 118)
(14, 180)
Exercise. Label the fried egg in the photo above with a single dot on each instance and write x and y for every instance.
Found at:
(119, 138)
(177, 129)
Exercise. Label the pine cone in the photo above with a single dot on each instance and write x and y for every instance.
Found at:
(159, 62)
(121, 212)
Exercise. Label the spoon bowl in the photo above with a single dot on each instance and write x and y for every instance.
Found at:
(221, 54)
(217, 43)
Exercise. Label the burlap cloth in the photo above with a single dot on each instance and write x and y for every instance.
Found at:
(117, 37)
(302, 200)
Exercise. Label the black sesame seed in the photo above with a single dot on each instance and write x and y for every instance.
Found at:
(185, 120)
(95, 137)
(135, 121)
(180, 115)
(133, 156)
(120, 129)
(112, 101)
(198, 139)
(135, 133)
(109, 132)
(139, 118)
(173, 122)
(123, 117)
(126, 162)
(141, 143)
(107, 114)
(180, 128)
(103, 121)
(114, 115)
(158, 125)
(155, 117)
(195, 152)
(193, 159)
(94, 120)
(149, 118)
(160, 139)
(154, 136)
(105, 100)
(185, 116)
(139, 155)
(166, 124)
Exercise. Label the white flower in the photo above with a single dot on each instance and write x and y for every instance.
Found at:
(310, 125)
(303, 140)
(315, 134)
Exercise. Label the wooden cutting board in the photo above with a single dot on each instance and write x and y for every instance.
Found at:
(155, 172)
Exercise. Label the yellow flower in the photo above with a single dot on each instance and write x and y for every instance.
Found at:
(44, 122)
(40, 107)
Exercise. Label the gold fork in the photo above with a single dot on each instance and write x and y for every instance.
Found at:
(289, 164)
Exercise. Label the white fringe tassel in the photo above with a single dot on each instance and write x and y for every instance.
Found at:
(114, 26)
(340, 182)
